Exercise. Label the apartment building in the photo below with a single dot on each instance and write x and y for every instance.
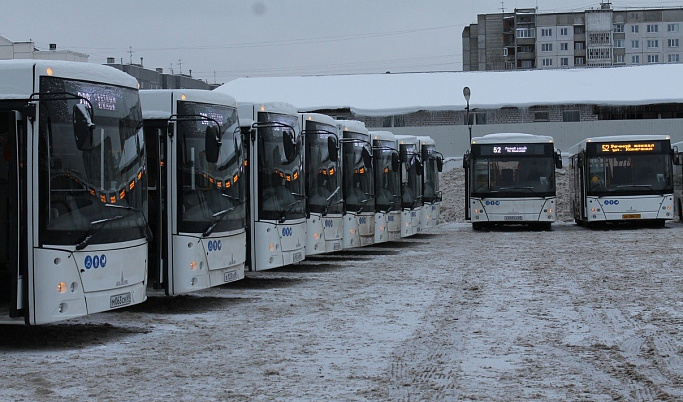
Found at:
(525, 39)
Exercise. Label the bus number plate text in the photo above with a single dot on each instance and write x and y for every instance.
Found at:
(120, 300)
(296, 257)
(630, 216)
(513, 218)
(230, 276)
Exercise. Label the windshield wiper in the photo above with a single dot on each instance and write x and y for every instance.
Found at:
(521, 188)
(92, 230)
(330, 199)
(148, 231)
(222, 214)
(660, 192)
(365, 201)
(285, 211)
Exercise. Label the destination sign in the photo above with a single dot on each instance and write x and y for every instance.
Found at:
(513, 149)
(628, 147)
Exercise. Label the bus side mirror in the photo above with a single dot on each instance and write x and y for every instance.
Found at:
(675, 156)
(439, 164)
(466, 161)
(558, 160)
(289, 145)
(212, 144)
(420, 167)
(395, 162)
(83, 127)
(332, 148)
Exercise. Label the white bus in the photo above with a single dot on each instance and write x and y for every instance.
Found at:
(510, 179)
(197, 191)
(623, 179)
(73, 199)
(678, 180)
(411, 184)
(358, 184)
(277, 203)
(387, 186)
(431, 194)
(324, 202)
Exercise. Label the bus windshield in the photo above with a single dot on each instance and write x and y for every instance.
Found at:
(630, 174)
(411, 189)
(358, 180)
(323, 175)
(387, 181)
(280, 182)
(431, 192)
(532, 176)
(94, 185)
(210, 195)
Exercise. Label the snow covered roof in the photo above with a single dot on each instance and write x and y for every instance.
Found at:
(387, 94)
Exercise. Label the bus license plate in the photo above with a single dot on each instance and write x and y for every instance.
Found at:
(297, 257)
(513, 218)
(630, 216)
(336, 246)
(120, 300)
(230, 276)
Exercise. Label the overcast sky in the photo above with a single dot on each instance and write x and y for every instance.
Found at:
(223, 39)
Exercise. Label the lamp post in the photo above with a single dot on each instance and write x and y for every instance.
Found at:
(466, 93)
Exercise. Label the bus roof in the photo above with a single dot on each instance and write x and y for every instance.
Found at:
(512, 138)
(616, 138)
(383, 135)
(426, 140)
(17, 75)
(156, 103)
(319, 117)
(352, 125)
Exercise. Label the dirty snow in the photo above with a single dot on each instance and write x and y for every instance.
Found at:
(450, 314)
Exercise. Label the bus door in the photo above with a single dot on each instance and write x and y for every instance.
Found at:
(156, 140)
(466, 166)
(13, 267)
(248, 136)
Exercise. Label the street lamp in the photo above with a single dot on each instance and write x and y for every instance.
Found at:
(466, 93)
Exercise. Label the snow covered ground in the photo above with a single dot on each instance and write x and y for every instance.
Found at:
(450, 314)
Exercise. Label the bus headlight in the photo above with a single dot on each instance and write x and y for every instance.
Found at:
(61, 287)
(271, 247)
(193, 265)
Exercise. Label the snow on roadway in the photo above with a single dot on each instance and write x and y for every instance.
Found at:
(449, 314)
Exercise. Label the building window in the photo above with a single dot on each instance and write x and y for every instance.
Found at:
(619, 43)
(547, 62)
(634, 29)
(564, 46)
(618, 28)
(545, 32)
(674, 58)
(541, 116)
(564, 31)
(652, 43)
(579, 61)
(673, 42)
(527, 64)
(579, 29)
(635, 59)
(386, 121)
(653, 58)
(547, 47)
(651, 28)
(672, 27)
(526, 33)
(571, 116)
(526, 49)
(619, 59)
(393, 121)
(564, 61)
(635, 44)
(579, 45)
